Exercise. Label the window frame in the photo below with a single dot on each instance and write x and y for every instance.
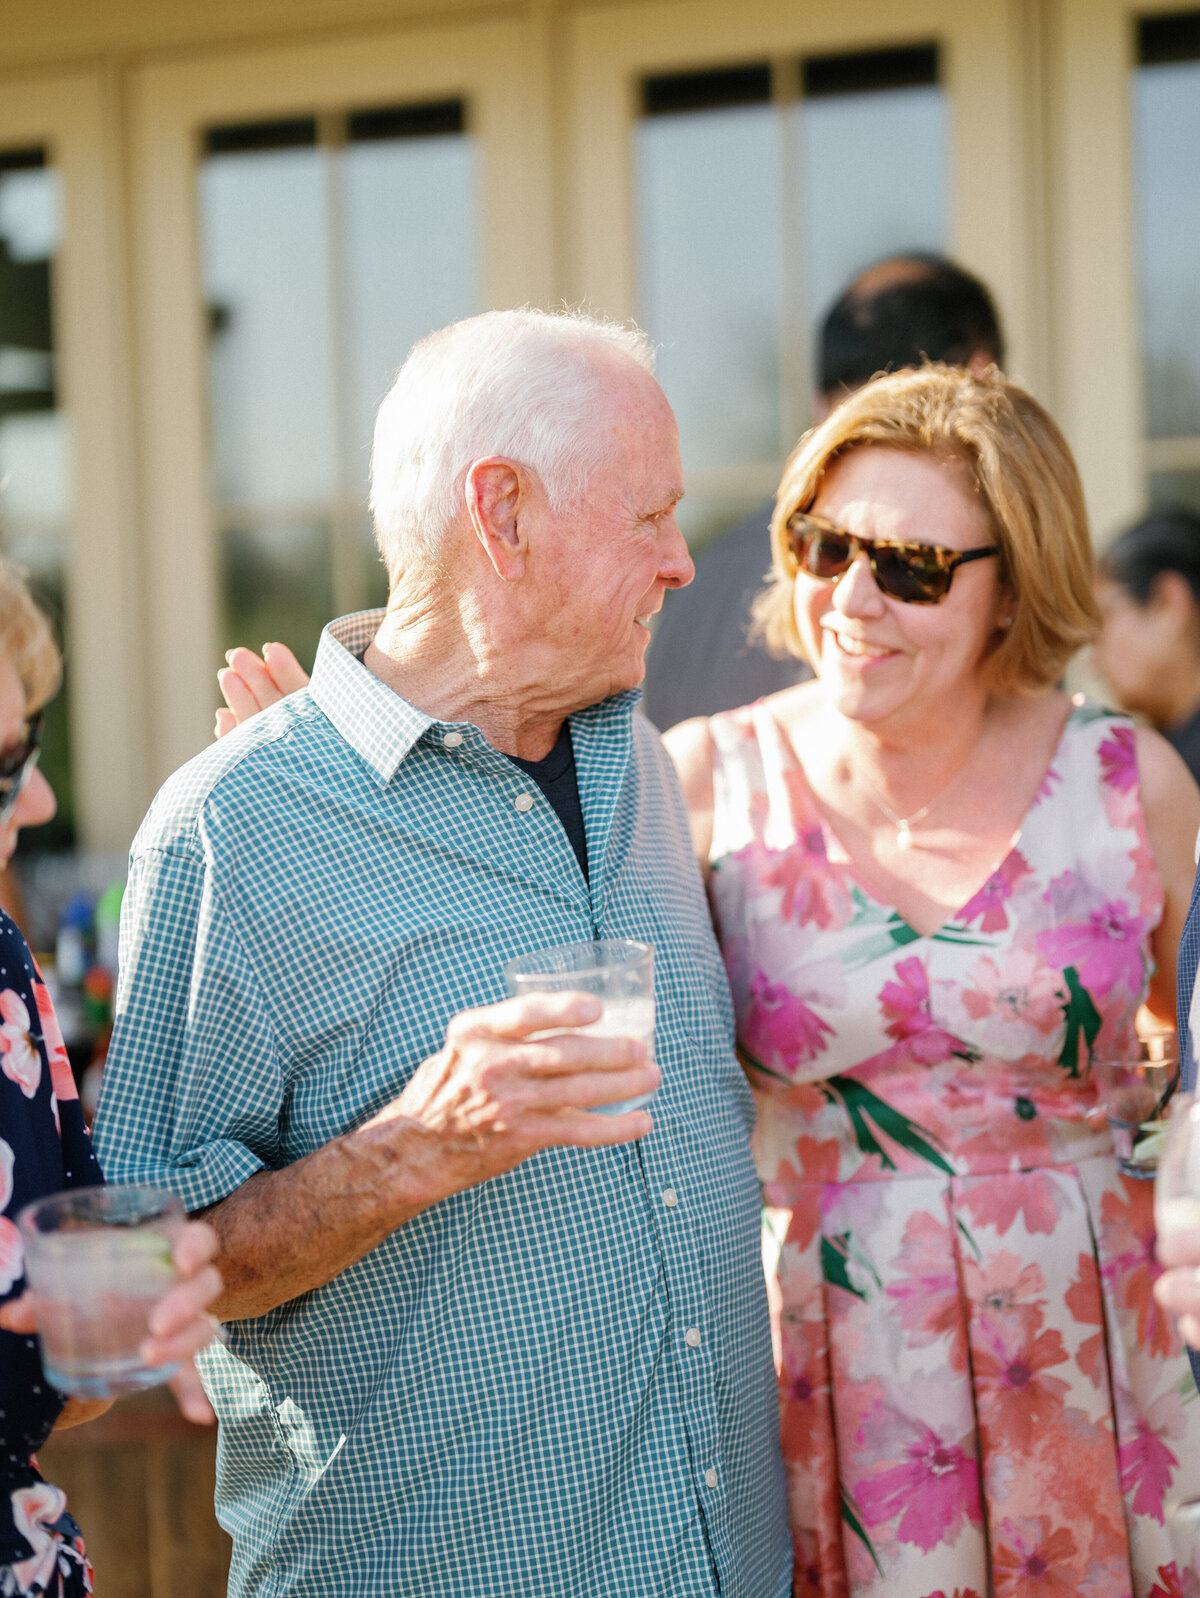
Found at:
(993, 226)
(70, 117)
(495, 68)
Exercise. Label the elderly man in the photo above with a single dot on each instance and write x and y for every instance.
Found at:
(483, 1340)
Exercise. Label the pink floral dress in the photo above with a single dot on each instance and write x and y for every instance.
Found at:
(978, 1395)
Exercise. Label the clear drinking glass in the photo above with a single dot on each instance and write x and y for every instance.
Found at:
(619, 971)
(97, 1259)
(1177, 1185)
(1133, 1088)
(1183, 1525)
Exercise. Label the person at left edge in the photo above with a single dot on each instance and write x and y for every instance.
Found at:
(484, 1341)
(44, 1147)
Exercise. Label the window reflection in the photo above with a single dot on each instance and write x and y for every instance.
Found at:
(330, 245)
(1166, 107)
(35, 486)
(875, 174)
(760, 190)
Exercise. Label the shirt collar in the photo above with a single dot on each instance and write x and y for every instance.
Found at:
(375, 721)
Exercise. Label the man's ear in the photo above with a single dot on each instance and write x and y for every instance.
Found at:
(497, 498)
(1172, 598)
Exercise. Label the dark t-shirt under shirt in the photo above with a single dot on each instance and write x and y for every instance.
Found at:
(555, 776)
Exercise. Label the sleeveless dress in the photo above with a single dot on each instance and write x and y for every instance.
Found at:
(978, 1394)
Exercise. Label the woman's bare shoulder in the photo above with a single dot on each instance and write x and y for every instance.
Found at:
(690, 747)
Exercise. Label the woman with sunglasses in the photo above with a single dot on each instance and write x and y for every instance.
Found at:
(44, 1147)
(937, 881)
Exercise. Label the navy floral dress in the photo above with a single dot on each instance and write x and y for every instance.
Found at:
(44, 1147)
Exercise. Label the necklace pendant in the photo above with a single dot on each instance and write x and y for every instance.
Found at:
(904, 837)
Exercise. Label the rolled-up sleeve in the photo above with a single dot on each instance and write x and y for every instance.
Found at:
(192, 1087)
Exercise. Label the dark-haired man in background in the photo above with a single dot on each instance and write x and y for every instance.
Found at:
(899, 312)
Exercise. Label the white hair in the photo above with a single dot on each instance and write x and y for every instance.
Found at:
(523, 384)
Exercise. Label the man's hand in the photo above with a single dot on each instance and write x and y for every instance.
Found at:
(179, 1327)
(506, 1084)
(249, 683)
(509, 1082)
(1178, 1288)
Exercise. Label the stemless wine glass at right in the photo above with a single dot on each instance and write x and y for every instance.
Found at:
(1177, 1222)
(1177, 1183)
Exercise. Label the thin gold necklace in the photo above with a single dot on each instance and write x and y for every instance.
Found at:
(905, 824)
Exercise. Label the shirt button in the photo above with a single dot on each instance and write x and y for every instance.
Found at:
(523, 802)
(692, 1337)
(710, 1477)
(670, 1197)
(452, 740)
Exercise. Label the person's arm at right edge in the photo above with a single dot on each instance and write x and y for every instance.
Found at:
(195, 1087)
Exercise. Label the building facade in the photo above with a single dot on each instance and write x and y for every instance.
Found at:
(223, 225)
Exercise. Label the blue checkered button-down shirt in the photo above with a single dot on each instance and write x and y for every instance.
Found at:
(558, 1382)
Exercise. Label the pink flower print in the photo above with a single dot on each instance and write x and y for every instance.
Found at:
(21, 1061)
(928, 1299)
(1032, 1561)
(780, 1032)
(1145, 884)
(1018, 997)
(1147, 1465)
(1098, 934)
(35, 1511)
(1046, 787)
(991, 899)
(12, 1252)
(1083, 1300)
(1119, 776)
(933, 1491)
(61, 1077)
(1017, 1399)
(905, 1002)
(12, 1256)
(996, 1201)
(1130, 1266)
(813, 891)
(1010, 1295)
(1168, 1583)
(909, 1019)
(1118, 760)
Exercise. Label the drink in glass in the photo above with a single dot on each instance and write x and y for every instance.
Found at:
(97, 1260)
(1133, 1088)
(1183, 1524)
(619, 971)
(1177, 1185)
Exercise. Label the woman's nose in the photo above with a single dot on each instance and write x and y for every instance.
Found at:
(35, 804)
(856, 593)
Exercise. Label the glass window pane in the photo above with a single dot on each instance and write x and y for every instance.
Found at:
(413, 257)
(709, 271)
(328, 250)
(278, 584)
(874, 182)
(1176, 488)
(751, 217)
(1166, 105)
(266, 282)
(35, 469)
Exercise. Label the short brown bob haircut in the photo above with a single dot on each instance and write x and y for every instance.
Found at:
(1023, 472)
